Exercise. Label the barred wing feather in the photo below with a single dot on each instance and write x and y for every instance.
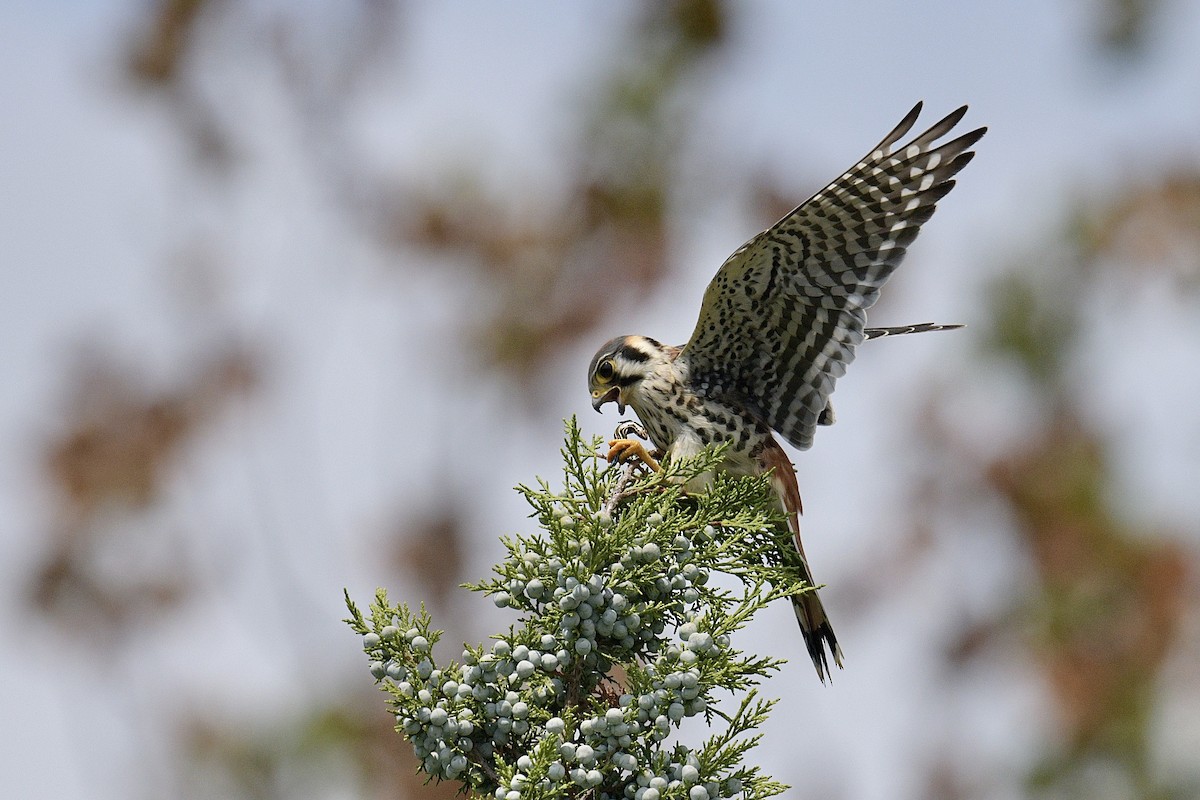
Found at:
(783, 315)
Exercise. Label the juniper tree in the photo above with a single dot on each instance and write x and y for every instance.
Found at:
(620, 637)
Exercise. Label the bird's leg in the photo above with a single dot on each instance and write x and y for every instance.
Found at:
(623, 432)
(624, 449)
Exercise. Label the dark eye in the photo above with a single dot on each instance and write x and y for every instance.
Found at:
(605, 371)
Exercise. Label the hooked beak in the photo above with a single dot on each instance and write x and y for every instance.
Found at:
(612, 395)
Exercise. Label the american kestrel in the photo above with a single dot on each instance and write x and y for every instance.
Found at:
(778, 326)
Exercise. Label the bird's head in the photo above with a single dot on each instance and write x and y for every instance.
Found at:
(619, 366)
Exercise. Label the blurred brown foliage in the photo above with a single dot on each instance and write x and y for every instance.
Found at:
(1109, 600)
(1152, 229)
(1124, 27)
(119, 443)
(324, 752)
(1109, 603)
(552, 276)
(432, 552)
(158, 54)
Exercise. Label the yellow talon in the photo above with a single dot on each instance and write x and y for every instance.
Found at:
(624, 449)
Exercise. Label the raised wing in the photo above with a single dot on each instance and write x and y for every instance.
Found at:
(783, 315)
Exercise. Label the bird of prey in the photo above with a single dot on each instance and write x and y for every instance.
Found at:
(778, 326)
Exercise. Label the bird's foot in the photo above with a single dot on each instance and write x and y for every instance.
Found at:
(623, 450)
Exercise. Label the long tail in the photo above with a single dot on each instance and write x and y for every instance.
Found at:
(920, 327)
(818, 634)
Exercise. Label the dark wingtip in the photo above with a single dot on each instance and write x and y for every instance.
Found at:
(902, 128)
(953, 117)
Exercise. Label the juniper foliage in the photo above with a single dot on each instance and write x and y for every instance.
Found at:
(620, 637)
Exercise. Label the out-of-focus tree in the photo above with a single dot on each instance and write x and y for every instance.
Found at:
(609, 227)
(1108, 600)
(118, 446)
(1123, 27)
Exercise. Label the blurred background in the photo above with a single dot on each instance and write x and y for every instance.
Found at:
(293, 293)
